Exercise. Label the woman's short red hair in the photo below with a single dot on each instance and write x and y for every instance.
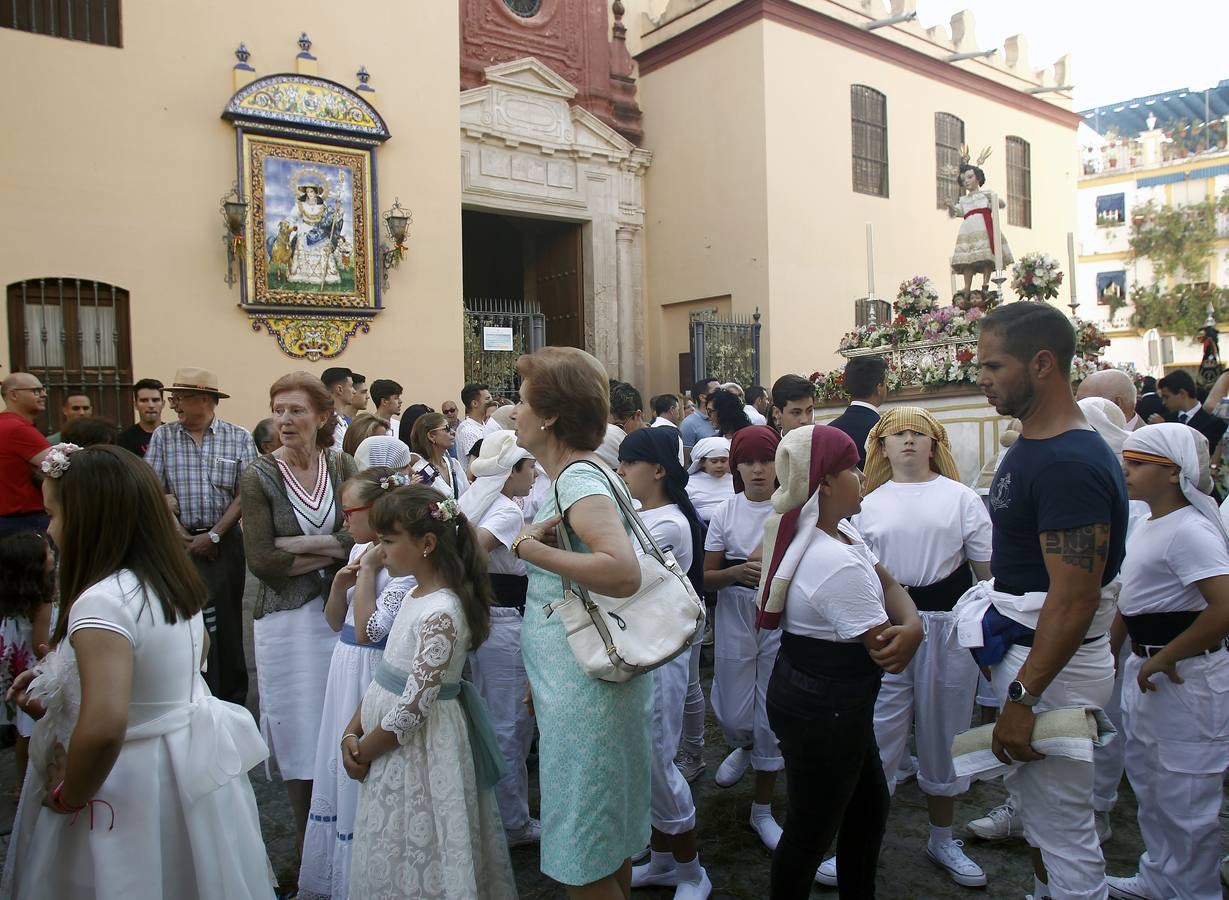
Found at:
(571, 386)
(317, 395)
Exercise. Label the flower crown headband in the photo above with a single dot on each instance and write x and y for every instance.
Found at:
(55, 463)
(394, 481)
(446, 510)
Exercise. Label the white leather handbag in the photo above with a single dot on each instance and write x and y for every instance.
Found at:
(617, 638)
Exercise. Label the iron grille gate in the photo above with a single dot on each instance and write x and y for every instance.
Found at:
(728, 350)
(497, 367)
(73, 334)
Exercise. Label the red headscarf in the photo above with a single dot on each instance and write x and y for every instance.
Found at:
(753, 444)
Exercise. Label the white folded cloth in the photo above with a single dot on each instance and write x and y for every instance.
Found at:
(1072, 732)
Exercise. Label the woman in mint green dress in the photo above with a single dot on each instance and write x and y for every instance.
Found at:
(595, 736)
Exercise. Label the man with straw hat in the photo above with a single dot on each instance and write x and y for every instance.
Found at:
(926, 527)
(199, 461)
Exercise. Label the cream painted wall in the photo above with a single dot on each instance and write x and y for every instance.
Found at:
(706, 222)
(816, 222)
(117, 171)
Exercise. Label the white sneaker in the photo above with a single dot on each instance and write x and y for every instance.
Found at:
(1105, 831)
(826, 873)
(649, 876)
(768, 829)
(690, 765)
(733, 767)
(950, 855)
(694, 890)
(1128, 888)
(999, 824)
(531, 833)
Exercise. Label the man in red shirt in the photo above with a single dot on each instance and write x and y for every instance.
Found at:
(22, 448)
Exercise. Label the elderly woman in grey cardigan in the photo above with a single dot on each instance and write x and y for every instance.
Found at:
(294, 540)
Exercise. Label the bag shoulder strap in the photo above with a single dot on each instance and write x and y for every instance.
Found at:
(626, 511)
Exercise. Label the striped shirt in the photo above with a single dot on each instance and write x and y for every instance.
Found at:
(204, 479)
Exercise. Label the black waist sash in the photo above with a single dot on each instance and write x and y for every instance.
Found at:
(943, 594)
(829, 659)
(1158, 629)
(510, 590)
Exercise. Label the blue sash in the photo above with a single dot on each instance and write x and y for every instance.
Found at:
(488, 761)
(347, 637)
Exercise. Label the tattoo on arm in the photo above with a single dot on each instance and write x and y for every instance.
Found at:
(1081, 547)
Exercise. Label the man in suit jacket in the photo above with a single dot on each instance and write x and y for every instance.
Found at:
(866, 386)
(1178, 394)
(1149, 403)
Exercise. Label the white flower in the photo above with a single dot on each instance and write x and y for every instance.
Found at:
(55, 463)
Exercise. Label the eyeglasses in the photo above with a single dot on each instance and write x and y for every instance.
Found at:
(37, 390)
(346, 513)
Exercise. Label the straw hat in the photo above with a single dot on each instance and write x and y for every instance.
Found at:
(200, 380)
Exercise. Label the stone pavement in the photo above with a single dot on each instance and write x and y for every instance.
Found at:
(736, 861)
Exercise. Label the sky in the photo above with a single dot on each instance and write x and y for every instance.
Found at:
(1119, 49)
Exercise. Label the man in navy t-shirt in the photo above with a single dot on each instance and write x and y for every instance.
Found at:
(1059, 508)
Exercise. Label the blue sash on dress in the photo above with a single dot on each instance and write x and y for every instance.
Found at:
(488, 761)
(348, 637)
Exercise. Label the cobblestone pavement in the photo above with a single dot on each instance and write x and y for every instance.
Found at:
(736, 861)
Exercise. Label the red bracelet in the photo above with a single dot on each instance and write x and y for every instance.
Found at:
(58, 802)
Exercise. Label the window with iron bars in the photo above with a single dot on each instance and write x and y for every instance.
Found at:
(92, 21)
(74, 335)
(1019, 183)
(949, 136)
(870, 140)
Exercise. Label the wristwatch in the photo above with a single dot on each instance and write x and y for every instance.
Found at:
(215, 537)
(1017, 693)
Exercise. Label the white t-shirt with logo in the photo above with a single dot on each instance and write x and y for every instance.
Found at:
(835, 594)
(669, 527)
(504, 520)
(1165, 558)
(922, 532)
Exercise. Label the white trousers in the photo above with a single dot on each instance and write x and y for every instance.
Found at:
(499, 675)
(693, 707)
(1055, 793)
(1177, 751)
(672, 808)
(742, 664)
(1109, 759)
(935, 694)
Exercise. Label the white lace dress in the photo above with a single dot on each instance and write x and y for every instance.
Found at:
(424, 828)
(176, 816)
(325, 870)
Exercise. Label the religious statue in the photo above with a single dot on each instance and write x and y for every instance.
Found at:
(976, 240)
(317, 229)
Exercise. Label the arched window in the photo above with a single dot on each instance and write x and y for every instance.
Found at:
(949, 135)
(1019, 183)
(870, 140)
(74, 335)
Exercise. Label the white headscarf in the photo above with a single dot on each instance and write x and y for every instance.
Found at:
(1188, 450)
(1108, 420)
(706, 447)
(500, 453)
(382, 450)
(609, 451)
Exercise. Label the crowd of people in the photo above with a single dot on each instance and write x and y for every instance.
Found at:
(860, 600)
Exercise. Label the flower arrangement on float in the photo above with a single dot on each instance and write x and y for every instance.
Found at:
(916, 296)
(1036, 277)
(936, 347)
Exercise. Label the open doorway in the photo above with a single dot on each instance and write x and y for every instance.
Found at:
(534, 263)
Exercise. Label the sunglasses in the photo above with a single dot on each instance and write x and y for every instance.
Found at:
(346, 513)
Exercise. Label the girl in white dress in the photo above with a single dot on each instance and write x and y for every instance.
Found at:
(976, 241)
(138, 781)
(362, 604)
(428, 823)
(711, 483)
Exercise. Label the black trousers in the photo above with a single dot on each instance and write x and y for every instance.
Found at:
(227, 673)
(821, 706)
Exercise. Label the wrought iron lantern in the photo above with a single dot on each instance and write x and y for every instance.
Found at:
(234, 214)
(396, 224)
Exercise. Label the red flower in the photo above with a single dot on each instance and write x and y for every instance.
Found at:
(964, 356)
(815, 376)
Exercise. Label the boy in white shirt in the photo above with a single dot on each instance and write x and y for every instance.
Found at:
(1174, 604)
